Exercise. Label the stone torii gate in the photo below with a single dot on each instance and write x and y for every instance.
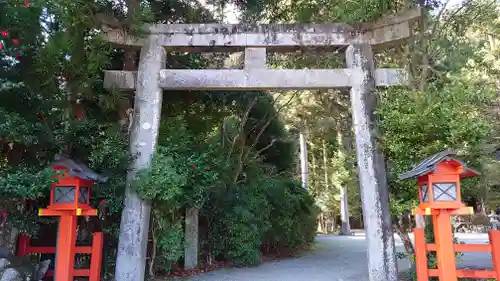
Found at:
(255, 40)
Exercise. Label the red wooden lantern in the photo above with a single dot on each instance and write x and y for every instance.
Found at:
(69, 192)
(70, 198)
(438, 179)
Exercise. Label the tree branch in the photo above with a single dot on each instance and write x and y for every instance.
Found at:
(256, 140)
(242, 126)
(266, 147)
(244, 156)
(450, 18)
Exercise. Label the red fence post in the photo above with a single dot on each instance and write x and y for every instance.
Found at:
(445, 247)
(66, 244)
(421, 255)
(96, 256)
(23, 245)
(494, 236)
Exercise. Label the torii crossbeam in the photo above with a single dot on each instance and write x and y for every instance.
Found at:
(256, 40)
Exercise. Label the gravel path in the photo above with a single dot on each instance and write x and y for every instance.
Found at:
(334, 258)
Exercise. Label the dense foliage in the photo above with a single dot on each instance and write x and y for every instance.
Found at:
(449, 104)
(246, 208)
(226, 155)
(452, 106)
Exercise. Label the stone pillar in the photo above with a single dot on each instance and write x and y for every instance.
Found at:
(191, 239)
(304, 169)
(134, 226)
(382, 265)
(255, 58)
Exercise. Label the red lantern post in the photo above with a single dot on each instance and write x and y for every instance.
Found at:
(69, 199)
(438, 180)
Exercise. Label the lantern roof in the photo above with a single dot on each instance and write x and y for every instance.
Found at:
(430, 163)
(78, 169)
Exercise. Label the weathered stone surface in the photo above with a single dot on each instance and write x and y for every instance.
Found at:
(191, 239)
(11, 274)
(4, 252)
(255, 58)
(4, 263)
(190, 37)
(382, 264)
(230, 29)
(41, 269)
(22, 269)
(253, 79)
(134, 226)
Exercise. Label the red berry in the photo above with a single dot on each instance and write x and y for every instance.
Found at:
(15, 41)
(18, 56)
(27, 4)
(102, 202)
(193, 166)
(4, 214)
(5, 33)
(1, 46)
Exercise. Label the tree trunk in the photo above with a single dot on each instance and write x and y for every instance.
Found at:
(344, 212)
(344, 203)
(124, 110)
(403, 234)
(191, 239)
(320, 223)
(325, 163)
(424, 45)
(134, 226)
(313, 167)
(492, 41)
(333, 222)
(419, 221)
(303, 161)
(129, 64)
(8, 238)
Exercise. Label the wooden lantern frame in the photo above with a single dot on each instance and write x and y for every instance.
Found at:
(73, 175)
(445, 172)
(66, 180)
(443, 168)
